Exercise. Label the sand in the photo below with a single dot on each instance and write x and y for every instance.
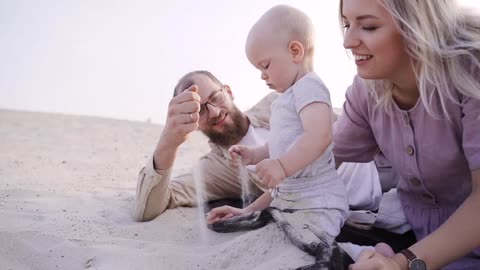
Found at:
(67, 191)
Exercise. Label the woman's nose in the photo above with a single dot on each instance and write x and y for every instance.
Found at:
(350, 39)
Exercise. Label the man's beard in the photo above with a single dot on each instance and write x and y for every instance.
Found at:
(230, 134)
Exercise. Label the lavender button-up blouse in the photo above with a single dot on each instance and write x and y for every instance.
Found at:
(433, 154)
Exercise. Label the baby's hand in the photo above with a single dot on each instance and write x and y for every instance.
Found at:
(270, 172)
(223, 212)
(243, 151)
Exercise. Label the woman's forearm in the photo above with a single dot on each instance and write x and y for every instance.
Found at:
(458, 236)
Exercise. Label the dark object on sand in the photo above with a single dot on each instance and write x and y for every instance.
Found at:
(338, 258)
(328, 255)
(347, 234)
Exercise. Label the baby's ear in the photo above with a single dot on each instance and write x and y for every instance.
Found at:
(296, 50)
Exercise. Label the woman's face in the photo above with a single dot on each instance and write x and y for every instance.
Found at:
(371, 35)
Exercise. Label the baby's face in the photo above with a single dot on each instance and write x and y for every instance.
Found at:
(271, 56)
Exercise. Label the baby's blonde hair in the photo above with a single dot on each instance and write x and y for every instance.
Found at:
(444, 43)
(291, 21)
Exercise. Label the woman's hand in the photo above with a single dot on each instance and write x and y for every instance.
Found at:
(374, 260)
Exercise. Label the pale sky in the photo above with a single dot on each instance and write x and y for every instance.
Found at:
(121, 59)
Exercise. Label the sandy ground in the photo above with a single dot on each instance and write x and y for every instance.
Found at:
(67, 190)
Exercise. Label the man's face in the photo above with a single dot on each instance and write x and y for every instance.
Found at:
(222, 124)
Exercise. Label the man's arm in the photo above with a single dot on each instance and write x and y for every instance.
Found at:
(156, 192)
(153, 186)
(182, 119)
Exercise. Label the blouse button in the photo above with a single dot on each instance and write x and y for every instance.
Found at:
(415, 182)
(410, 150)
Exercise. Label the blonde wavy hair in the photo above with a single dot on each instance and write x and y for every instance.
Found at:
(444, 43)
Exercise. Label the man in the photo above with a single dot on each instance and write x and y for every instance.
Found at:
(208, 105)
(202, 102)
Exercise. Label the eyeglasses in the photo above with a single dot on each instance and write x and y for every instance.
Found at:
(216, 99)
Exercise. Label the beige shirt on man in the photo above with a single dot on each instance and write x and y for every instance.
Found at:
(221, 178)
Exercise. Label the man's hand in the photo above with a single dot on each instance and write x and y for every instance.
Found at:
(271, 172)
(246, 153)
(182, 119)
(223, 212)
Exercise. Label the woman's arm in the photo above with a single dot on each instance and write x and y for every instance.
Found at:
(458, 236)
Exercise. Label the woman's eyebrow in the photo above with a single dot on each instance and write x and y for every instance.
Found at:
(362, 17)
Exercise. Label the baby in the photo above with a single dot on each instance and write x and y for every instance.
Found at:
(297, 163)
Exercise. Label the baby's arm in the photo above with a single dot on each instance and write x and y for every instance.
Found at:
(250, 155)
(316, 119)
(226, 212)
(260, 203)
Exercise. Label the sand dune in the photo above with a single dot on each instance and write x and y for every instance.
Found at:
(67, 188)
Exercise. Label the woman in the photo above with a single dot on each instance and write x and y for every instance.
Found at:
(417, 99)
